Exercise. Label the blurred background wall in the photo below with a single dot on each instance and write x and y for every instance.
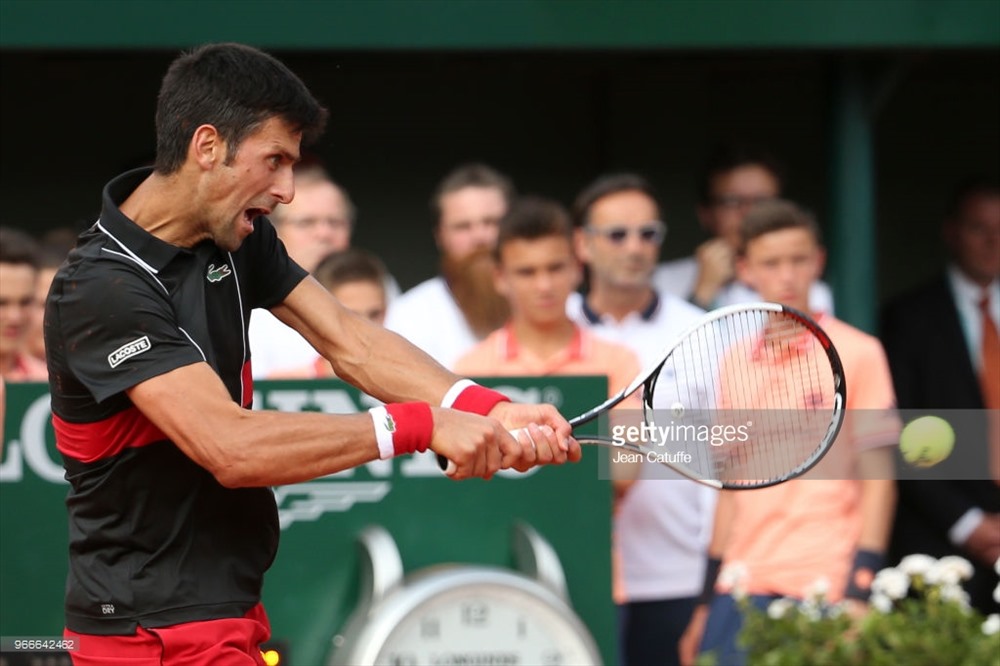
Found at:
(553, 93)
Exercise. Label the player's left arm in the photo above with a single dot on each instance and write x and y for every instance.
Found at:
(378, 361)
(385, 365)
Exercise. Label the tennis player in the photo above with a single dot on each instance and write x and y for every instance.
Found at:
(171, 521)
(830, 528)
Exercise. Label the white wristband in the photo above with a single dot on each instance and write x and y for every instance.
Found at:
(384, 427)
(456, 390)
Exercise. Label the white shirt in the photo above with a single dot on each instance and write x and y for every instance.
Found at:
(663, 525)
(678, 277)
(429, 317)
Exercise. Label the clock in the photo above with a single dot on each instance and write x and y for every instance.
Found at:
(463, 614)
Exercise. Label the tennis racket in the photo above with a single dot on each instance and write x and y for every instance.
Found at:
(750, 396)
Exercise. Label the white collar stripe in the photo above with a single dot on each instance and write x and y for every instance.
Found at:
(125, 249)
(141, 265)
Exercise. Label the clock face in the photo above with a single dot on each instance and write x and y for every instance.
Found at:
(498, 620)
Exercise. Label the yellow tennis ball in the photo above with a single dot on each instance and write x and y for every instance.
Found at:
(926, 441)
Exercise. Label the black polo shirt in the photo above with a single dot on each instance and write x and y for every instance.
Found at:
(154, 539)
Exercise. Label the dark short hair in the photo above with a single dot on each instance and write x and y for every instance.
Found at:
(729, 157)
(531, 218)
(775, 215)
(235, 88)
(607, 185)
(973, 186)
(473, 174)
(17, 247)
(350, 265)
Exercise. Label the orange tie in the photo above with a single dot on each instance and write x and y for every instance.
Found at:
(989, 379)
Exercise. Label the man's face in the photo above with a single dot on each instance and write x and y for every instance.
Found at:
(17, 305)
(364, 298)
(782, 265)
(733, 193)
(537, 276)
(314, 224)
(257, 179)
(974, 238)
(621, 242)
(469, 220)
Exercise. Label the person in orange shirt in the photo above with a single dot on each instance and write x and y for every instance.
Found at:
(831, 528)
(537, 271)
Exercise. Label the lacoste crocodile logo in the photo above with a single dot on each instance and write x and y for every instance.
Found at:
(218, 274)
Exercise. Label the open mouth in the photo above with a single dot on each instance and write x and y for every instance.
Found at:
(251, 214)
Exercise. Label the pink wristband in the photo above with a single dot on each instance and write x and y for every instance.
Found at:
(472, 397)
(402, 427)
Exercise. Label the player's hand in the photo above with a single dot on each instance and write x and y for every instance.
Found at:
(690, 642)
(716, 268)
(476, 445)
(544, 437)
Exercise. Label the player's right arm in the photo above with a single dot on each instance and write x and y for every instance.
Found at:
(244, 448)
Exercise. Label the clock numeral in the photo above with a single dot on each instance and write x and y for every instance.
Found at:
(522, 627)
(475, 614)
(403, 659)
(430, 627)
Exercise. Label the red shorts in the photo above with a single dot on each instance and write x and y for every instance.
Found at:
(226, 642)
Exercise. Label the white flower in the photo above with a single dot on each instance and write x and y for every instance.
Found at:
(818, 589)
(933, 576)
(916, 565)
(954, 592)
(996, 566)
(996, 594)
(953, 569)
(893, 583)
(992, 624)
(881, 603)
(811, 610)
(733, 578)
(778, 608)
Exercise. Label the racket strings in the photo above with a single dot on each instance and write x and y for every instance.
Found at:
(761, 383)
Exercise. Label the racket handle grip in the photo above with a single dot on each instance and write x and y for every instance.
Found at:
(448, 467)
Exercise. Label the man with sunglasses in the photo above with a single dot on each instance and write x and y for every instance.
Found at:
(661, 526)
(736, 178)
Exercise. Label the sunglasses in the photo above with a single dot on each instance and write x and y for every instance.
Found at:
(647, 233)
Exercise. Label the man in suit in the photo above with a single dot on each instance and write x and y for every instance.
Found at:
(938, 341)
